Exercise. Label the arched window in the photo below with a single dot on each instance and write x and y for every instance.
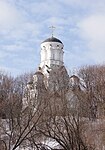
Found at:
(57, 46)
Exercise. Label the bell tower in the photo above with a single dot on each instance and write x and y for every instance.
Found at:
(51, 54)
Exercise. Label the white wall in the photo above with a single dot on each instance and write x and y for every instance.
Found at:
(51, 54)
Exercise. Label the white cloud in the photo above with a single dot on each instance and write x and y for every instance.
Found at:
(14, 22)
(3, 55)
(45, 8)
(9, 15)
(85, 3)
(92, 29)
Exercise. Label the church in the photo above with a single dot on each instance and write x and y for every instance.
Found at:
(51, 82)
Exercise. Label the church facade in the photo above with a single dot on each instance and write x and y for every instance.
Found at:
(51, 82)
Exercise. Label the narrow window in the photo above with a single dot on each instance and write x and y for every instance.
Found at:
(53, 56)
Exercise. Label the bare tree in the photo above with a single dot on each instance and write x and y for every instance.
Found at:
(16, 123)
(66, 129)
(58, 112)
(94, 84)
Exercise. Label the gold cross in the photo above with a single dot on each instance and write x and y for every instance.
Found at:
(52, 28)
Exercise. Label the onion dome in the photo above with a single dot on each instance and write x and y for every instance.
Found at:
(52, 39)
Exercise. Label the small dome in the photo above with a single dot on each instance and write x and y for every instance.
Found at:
(74, 77)
(38, 73)
(52, 39)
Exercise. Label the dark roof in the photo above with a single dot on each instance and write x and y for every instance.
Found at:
(38, 73)
(52, 39)
(74, 76)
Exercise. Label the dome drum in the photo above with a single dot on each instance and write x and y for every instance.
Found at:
(51, 45)
(51, 53)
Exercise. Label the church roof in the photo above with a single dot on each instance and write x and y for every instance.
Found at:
(52, 39)
(74, 76)
(38, 73)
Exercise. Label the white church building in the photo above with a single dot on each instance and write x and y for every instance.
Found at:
(51, 77)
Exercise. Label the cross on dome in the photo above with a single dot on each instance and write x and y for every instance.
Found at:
(52, 28)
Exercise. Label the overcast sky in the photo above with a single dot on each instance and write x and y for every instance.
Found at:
(24, 24)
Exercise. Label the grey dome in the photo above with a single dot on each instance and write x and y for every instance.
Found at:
(52, 39)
